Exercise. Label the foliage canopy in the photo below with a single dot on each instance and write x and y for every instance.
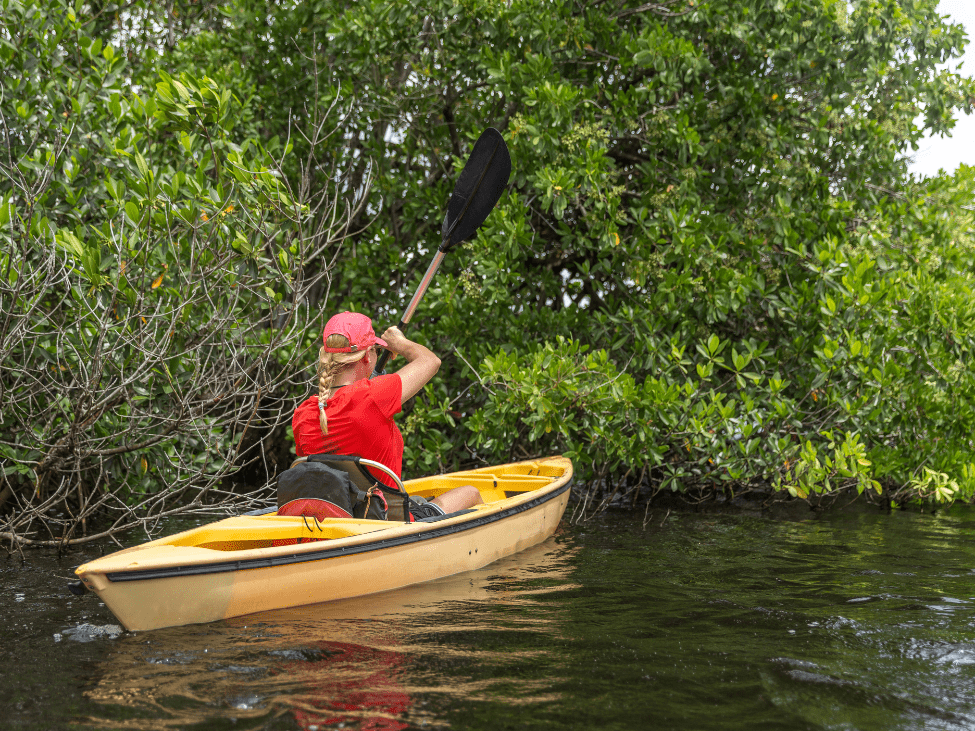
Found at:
(711, 271)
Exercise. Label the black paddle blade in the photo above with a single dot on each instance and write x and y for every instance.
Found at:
(480, 185)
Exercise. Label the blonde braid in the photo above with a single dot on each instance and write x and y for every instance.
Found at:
(329, 366)
(326, 373)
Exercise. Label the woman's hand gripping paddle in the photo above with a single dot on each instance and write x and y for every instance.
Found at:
(480, 185)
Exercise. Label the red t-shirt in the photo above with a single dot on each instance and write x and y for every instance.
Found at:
(360, 423)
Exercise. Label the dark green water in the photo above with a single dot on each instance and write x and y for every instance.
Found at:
(841, 621)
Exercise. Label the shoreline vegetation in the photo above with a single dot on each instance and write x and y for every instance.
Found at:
(590, 502)
(587, 501)
(711, 272)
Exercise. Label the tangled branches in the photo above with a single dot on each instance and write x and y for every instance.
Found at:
(156, 277)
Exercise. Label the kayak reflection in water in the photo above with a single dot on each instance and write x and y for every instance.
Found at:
(353, 413)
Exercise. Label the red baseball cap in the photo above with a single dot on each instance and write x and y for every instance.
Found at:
(356, 327)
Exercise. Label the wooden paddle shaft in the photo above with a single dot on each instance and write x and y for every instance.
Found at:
(422, 289)
(414, 303)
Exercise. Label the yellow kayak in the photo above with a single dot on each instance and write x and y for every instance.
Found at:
(233, 567)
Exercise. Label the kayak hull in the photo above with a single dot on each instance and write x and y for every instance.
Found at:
(231, 568)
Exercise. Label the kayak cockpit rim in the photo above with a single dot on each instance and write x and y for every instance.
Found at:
(504, 488)
(434, 533)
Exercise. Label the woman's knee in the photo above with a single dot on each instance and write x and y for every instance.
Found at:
(471, 495)
(460, 498)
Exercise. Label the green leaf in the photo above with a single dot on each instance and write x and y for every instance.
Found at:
(643, 58)
(165, 92)
(143, 166)
(71, 243)
(183, 92)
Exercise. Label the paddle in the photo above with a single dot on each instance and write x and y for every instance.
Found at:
(480, 185)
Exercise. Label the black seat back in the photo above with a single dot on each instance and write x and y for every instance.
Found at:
(360, 480)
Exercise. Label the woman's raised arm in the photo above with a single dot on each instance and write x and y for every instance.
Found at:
(422, 363)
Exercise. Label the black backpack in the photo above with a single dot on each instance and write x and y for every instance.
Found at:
(341, 482)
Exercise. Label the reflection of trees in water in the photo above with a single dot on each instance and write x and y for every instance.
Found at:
(363, 661)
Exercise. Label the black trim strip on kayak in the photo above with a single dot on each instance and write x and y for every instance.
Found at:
(271, 561)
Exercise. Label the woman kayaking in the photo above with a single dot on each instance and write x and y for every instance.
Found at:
(353, 413)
